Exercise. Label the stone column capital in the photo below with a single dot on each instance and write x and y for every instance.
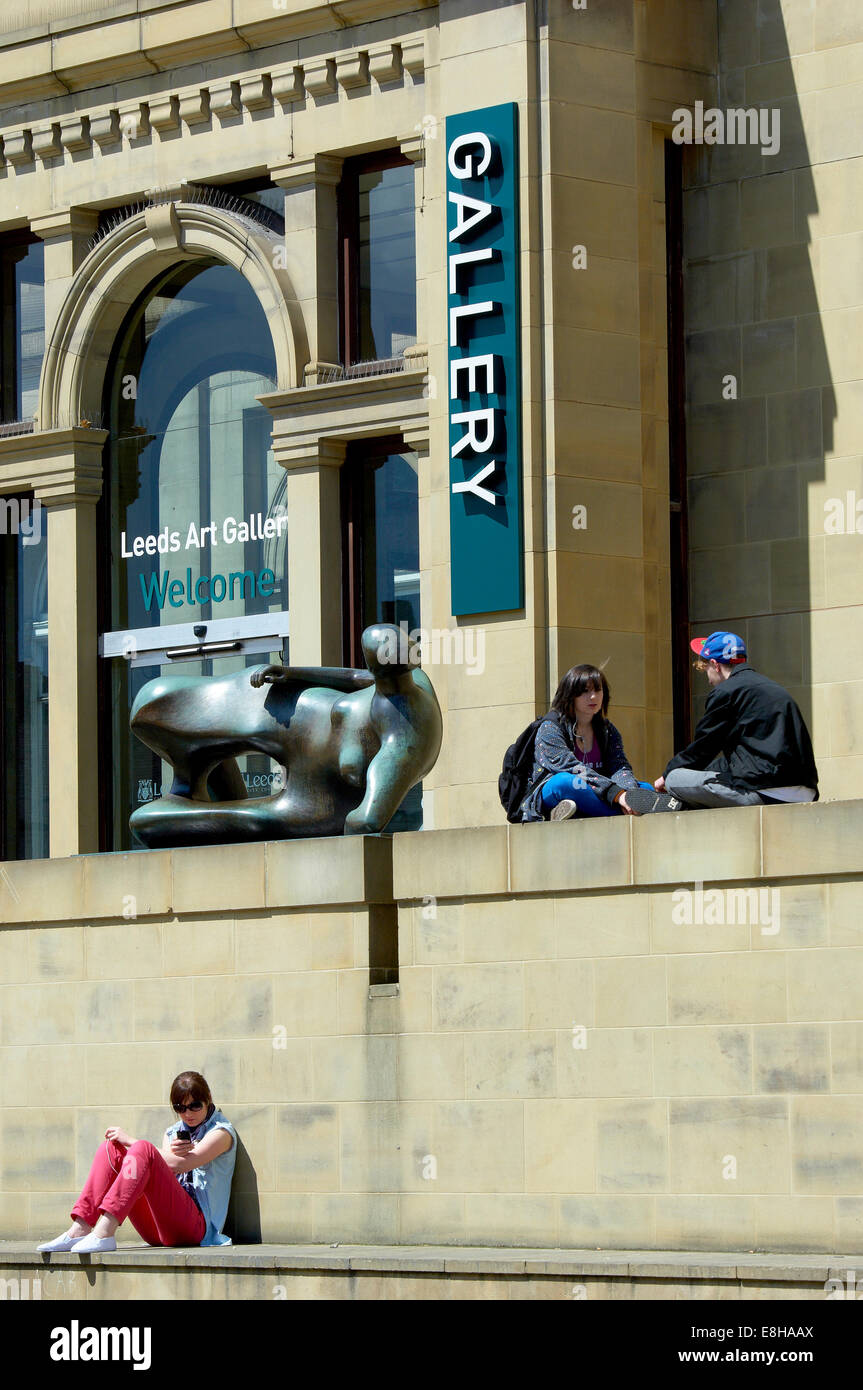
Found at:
(293, 454)
(321, 170)
(65, 222)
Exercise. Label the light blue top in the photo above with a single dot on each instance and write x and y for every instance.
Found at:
(212, 1183)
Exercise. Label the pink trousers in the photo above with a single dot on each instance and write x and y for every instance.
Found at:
(137, 1182)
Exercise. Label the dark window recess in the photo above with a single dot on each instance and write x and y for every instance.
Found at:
(24, 685)
(22, 348)
(678, 529)
(380, 545)
(377, 258)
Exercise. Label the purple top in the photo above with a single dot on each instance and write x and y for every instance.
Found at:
(594, 757)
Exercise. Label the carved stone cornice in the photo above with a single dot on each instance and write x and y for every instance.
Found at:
(58, 466)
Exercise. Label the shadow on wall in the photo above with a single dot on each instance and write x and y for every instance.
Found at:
(243, 1222)
(761, 403)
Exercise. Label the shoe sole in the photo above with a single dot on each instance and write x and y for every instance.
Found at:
(563, 810)
(646, 803)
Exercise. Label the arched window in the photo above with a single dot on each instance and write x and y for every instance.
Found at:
(194, 524)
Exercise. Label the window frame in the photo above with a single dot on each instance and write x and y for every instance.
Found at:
(9, 326)
(681, 669)
(348, 218)
(359, 451)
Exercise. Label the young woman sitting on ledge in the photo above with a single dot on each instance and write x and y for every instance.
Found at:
(579, 765)
(178, 1196)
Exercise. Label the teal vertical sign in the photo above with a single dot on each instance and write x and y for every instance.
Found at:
(483, 365)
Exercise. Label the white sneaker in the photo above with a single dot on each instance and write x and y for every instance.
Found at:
(62, 1243)
(91, 1245)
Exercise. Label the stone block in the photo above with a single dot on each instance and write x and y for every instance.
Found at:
(742, 987)
(231, 1007)
(133, 1071)
(604, 1062)
(307, 1148)
(38, 1014)
(825, 984)
(488, 996)
(601, 924)
(631, 1146)
(826, 1145)
(687, 848)
(337, 869)
(816, 838)
(127, 950)
(357, 1068)
(563, 856)
(385, 1146)
(363, 1217)
(218, 878)
(792, 1058)
(199, 947)
(127, 885)
(450, 863)
(479, 1146)
(270, 1073)
(622, 1222)
(705, 1222)
(703, 1061)
(559, 993)
(513, 1218)
(502, 1066)
(508, 929)
(599, 368)
(276, 941)
(104, 1009)
(431, 1066)
(738, 1145)
(306, 1003)
(630, 992)
(36, 890)
(46, 954)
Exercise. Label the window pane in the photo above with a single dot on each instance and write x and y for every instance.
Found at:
(23, 327)
(24, 696)
(192, 485)
(387, 262)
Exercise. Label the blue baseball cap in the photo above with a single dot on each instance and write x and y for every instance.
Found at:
(726, 647)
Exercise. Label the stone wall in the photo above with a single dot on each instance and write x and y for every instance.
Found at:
(564, 1061)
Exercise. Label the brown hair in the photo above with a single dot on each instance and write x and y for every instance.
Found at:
(573, 684)
(190, 1083)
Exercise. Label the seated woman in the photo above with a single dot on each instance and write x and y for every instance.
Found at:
(579, 766)
(178, 1196)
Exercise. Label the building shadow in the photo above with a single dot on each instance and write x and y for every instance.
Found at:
(761, 406)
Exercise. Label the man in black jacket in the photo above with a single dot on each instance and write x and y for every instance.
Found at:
(751, 746)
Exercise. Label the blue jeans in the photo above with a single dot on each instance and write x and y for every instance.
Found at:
(565, 786)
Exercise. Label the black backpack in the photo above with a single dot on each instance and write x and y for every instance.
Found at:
(514, 779)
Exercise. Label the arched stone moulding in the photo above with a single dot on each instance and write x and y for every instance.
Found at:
(118, 270)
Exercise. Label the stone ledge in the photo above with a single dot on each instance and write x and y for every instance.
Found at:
(444, 1259)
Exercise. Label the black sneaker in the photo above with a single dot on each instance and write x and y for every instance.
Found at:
(645, 802)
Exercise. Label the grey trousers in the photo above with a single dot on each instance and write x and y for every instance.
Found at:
(703, 789)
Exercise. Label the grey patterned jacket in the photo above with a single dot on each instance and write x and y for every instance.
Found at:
(554, 751)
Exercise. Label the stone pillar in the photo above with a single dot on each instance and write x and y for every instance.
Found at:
(413, 148)
(70, 492)
(311, 247)
(66, 234)
(314, 553)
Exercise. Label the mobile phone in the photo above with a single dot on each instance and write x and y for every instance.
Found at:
(184, 1136)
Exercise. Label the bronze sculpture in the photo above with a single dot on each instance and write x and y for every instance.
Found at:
(351, 743)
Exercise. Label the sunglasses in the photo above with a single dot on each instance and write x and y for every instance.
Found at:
(196, 1105)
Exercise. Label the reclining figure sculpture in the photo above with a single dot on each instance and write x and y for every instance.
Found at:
(351, 745)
